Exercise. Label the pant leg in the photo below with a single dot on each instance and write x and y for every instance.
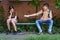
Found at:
(38, 22)
(50, 25)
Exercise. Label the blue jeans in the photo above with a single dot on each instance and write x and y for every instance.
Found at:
(50, 22)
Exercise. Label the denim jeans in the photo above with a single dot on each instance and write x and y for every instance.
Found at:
(49, 22)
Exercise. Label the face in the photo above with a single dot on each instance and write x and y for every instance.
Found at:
(45, 7)
(12, 10)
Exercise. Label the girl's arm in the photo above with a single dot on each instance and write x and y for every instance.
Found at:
(15, 15)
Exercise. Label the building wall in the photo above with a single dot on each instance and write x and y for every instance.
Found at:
(23, 8)
(5, 4)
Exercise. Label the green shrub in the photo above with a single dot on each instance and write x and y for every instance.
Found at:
(57, 4)
(56, 25)
(35, 3)
(2, 20)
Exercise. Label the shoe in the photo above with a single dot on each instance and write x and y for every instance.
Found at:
(15, 32)
(8, 32)
(40, 33)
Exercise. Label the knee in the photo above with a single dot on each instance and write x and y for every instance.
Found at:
(12, 21)
(8, 20)
(36, 21)
(51, 21)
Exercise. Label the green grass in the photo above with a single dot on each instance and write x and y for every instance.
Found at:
(44, 37)
(31, 37)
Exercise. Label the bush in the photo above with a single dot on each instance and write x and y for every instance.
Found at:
(57, 4)
(2, 20)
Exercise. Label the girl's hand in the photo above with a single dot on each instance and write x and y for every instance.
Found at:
(16, 17)
(9, 17)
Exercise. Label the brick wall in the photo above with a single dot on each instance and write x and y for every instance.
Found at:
(23, 8)
(5, 4)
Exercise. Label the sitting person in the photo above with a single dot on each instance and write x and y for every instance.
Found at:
(46, 18)
(12, 18)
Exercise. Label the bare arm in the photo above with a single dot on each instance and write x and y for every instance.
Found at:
(35, 14)
(10, 15)
(50, 15)
(15, 15)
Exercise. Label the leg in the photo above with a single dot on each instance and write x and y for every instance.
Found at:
(50, 25)
(14, 24)
(8, 24)
(38, 22)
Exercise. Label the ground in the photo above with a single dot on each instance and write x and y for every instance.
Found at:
(29, 36)
(19, 36)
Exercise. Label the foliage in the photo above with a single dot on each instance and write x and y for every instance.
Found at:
(57, 4)
(35, 3)
(56, 26)
(2, 19)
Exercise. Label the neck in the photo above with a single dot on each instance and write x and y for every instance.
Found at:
(46, 10)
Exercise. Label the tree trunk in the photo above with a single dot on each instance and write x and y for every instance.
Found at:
(36, 9)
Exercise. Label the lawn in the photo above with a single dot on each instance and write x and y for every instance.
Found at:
(30, 37)
(44, 37)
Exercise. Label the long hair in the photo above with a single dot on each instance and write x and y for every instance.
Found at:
(10, 7)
